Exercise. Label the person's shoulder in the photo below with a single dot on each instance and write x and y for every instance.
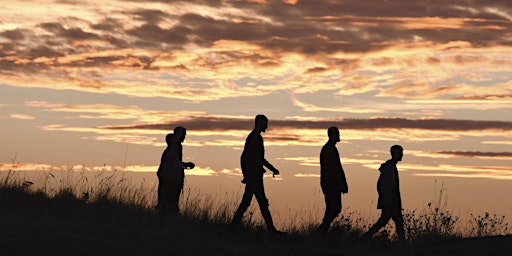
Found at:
(254, 135)
(328, 147)
(385, 164)
(173, 139)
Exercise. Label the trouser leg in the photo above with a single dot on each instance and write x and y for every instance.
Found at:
(399, 224)
(332, 209)
(174, 196)
(381, 222)
(244, 204)
(163, 195)
(159, 192)
(259, 192)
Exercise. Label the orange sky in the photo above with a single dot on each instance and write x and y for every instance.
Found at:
(95, 84)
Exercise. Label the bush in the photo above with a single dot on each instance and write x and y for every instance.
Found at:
(488, 225)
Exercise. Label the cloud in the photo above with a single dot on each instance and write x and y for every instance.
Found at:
(353, 109)
(71, 34)
(305, 161)
(315, 161)
(145, 127)
(197, 171)
(234, 172)
(24, 166)
(217, 72)
(21, 117)
(15, 34)
(459, 171)
(113, 112)
(497, 142)
(306, 27)
(477, 154)
(306, 175)
(462, 93)
(228, 123)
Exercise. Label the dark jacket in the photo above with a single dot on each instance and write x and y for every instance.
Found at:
(171, 164)
(388, 187)
(332, 176)
(253, 159)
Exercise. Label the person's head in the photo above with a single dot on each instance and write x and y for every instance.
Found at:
(168, 138)
(180, 132)
(397, 152)
(333, 133)
(261, 123)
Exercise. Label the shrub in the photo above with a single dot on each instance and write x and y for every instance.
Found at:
(488, 225)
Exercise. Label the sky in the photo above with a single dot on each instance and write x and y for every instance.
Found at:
(98, 84)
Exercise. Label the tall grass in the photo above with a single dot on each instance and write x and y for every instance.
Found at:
(114, 193)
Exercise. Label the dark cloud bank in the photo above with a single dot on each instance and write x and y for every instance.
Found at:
(222, 124)
(477, 154)
(308, 27)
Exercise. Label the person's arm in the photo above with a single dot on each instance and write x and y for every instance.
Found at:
(186, 165)
(343, 179)
(265, 162)
(270, 167)
(189, 165)
(387, 181)
(344, 184)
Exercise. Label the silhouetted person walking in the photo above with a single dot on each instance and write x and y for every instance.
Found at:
(389, 201)
(252, 162)
(171, 173)
(332, 179)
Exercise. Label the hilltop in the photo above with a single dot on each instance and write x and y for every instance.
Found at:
(34, 223)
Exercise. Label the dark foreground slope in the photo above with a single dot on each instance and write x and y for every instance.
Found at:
(33, 224)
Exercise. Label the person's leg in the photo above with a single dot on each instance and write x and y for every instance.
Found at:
(163, 195)
(174, 196)
(259, 193)
(332, 209)
(244, 204)
(381, 222)
(399, 224)
(159, 192)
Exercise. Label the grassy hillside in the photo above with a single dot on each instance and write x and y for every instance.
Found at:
(116, 218)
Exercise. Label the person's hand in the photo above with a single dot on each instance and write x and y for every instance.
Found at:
(191, 165)
(276, 172)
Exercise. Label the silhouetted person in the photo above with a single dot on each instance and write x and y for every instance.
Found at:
(252, 162)
(332, 179)
(389, 201)
(171, 173)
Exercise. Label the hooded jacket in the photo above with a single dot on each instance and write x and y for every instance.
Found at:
(388, 187)
(171, 164)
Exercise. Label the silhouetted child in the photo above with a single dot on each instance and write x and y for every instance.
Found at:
(389, 202)
(332, 179)
(171, 173)
(252, 162)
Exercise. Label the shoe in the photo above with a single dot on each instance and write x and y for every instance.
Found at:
(322, 230)
(276, 232)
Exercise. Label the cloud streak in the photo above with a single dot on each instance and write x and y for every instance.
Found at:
(222, 123)
(477, 154)
(456, 171)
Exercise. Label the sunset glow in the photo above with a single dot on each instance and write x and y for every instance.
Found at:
(98, 84)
